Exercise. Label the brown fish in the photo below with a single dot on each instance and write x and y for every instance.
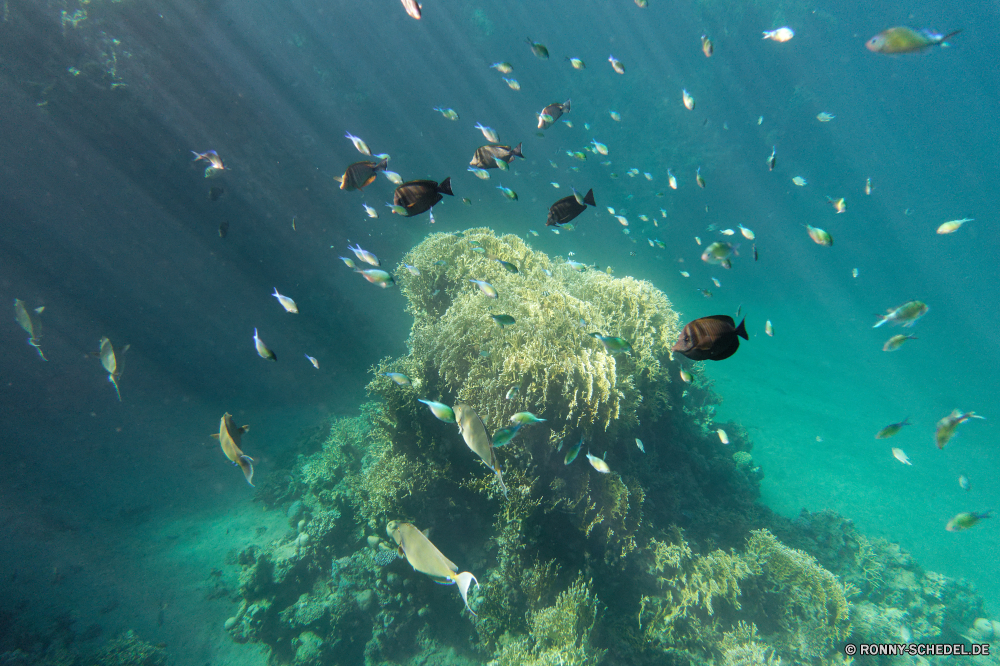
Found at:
(361, 174)
(486, 156)
(424, 557)
(711, 338)
(551, 114)
(229, 439)
(568, 208)
(417, 196)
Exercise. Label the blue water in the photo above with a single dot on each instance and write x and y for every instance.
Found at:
(108, 225)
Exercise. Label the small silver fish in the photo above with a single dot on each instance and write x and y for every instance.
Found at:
(286, 302)
(262, 349)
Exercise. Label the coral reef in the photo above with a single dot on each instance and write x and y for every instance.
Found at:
(688, 567)
(565, 374)
(810, 602)
(129, 650)
(559, 634)
(688, 584)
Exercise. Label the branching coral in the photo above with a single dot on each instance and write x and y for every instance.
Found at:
(566, 374)
(743, 647)
(559, 634)
(813, 601)
(689, 585)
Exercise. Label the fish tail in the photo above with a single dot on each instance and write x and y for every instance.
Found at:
(741, 330)
(565, 106)
(246, 464)
(444, 187)
(463, 580)
(111, 378)
(881, 320)
(589, 198)
(516, 150)
(943, 40)
(381, 166)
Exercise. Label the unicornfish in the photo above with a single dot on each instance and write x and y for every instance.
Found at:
(229, 439)
(110, 363)
(474, 433)
(424, 557)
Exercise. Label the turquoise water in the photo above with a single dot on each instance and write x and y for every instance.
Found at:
(110, 227)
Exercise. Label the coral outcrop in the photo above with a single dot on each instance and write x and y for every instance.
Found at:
(666, 558)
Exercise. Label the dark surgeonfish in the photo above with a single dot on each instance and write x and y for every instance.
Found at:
(568, 208)
(361, 174)
(417, 196)
(551, 114)
(711, 338)
(486, 156)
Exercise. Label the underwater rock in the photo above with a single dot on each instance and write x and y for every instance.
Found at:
(366, 600)
(308, 649)
(129, 650)
(295, 512)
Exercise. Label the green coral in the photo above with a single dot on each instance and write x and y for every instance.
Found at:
(566, 374)
(814, 607)
(359, 465)
(129, 650)
(689, 587)
(744, 647)
(559, 634)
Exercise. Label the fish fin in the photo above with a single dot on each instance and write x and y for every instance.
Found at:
(465, 579)
(400, 553)
(516, 150)
(245, 429)
(339, 179)
(566, 105)
(215, 435)
(426, 532)
(589, 198)
(741, 330)
(246, 464)
(381, 166)
(444, 187)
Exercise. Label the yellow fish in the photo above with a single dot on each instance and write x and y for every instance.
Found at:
(110, 363)
(473, 431)
(30, 324)
(906, 40)
(229, 439)
(424, 557)
(953, 225)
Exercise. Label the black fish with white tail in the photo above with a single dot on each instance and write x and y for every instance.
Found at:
(712, 338)
(417, 196)
(568, 208)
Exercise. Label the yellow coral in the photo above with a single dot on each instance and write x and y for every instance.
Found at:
(570, 377)
(816, 611)
(689, 585)
(559, 634)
